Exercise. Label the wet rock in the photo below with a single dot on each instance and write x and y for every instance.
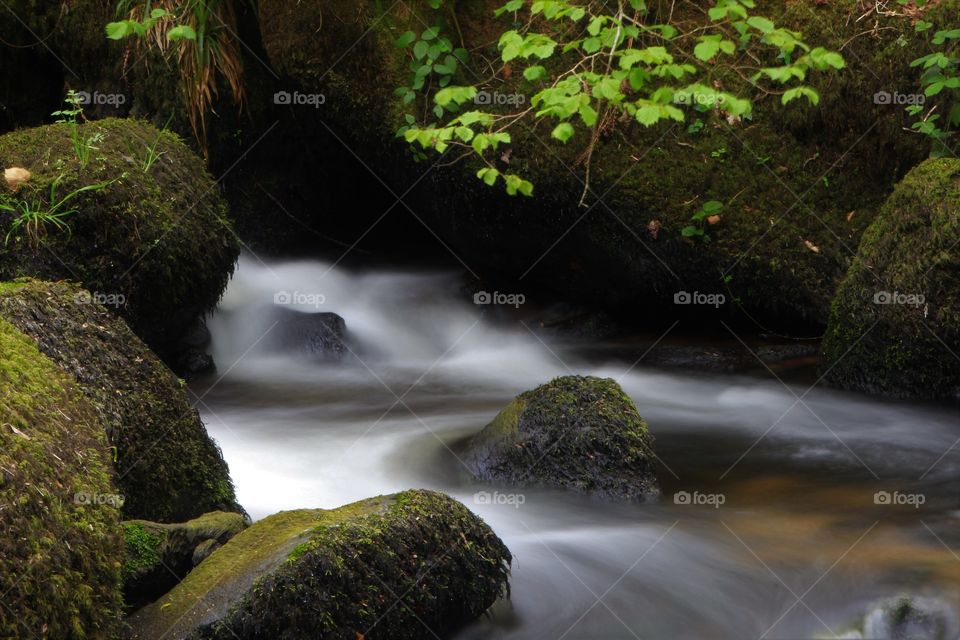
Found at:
(581, 433)
(908, 618)
(338, 573)
(319, 335)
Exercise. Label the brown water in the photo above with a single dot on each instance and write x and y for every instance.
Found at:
(789, 539)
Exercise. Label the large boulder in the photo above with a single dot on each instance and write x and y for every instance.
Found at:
(412, 565)
(159, 555)
(800, 183)
(168, 468)
(154, 240)
(60, 548)
(576, 432)
(895, 324)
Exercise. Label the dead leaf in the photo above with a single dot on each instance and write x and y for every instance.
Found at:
(714, 219)
(653, 228)
(15, 176)
(850, 215)
(811, 246)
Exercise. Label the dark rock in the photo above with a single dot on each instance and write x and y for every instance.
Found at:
(319, 335)
(315, 573)
(576, 432)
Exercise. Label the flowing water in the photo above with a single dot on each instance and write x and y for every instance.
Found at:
(782, 535)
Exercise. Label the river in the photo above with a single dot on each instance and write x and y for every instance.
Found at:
(786, 511)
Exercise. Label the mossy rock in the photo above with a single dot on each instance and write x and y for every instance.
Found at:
(895, 323)
(576, 432)
(160, 555)
(315, 573)
(157, 240)
(628, 253)
(168, 468)
(60, 548)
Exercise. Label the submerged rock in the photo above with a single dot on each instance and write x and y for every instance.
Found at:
(60, 548)
(575, 432)
(160, 555)
(412, 565)
(154, 242)
(168, 468)
(895, 325)
(908, 618)
(319, 335)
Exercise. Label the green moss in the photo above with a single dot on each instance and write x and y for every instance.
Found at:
(581, 433)
(906, 349)
(60, 556)
(168, 468)
(345, 563)
(160, 239)
(143, 549)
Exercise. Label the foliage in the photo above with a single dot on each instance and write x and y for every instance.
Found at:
(34, 215)
(83, 146)
(940, 76)
(202, 34)
(706, 215)
(592, 66)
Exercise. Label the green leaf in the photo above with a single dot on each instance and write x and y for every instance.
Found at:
(706, 50)
(563, 132)
(406, 39)
(534, 73)
(181, 32)
(119, 30)
(489, 175)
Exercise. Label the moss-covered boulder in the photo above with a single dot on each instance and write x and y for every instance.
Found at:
(160, 555)
(150, 235)
(168, 468)
(412, 565)
(895, 324)
(576, 432)
(800, 183)
(60, 547)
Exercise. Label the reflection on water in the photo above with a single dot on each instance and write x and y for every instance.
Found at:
(783, 536)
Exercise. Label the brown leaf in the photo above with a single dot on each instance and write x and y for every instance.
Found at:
(850, 215)
(714, 219)
(653, 228)
(811, 246)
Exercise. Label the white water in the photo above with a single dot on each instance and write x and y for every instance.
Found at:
(430, 368)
